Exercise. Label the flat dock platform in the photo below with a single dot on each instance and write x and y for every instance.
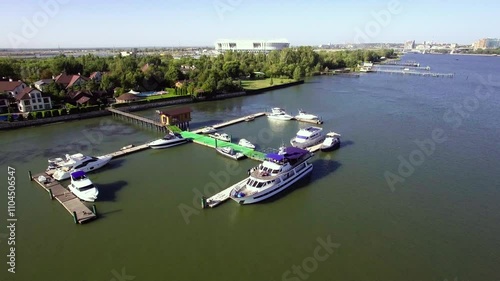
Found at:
(222, 196)
(123, 152)
(232, 122)
(413, 72)
(210, 142)
(314, 148)
(69, 201)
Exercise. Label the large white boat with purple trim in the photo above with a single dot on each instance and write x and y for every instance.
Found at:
(278, 172)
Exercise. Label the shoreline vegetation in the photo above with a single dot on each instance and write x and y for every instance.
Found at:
(199, 79)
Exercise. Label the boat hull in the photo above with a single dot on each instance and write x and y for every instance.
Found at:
(160, 145)
(275, 190)
(237, 156)
(88, 196)
(335, 145)
(280, 117)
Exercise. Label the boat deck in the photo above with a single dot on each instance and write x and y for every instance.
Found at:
(69, 201)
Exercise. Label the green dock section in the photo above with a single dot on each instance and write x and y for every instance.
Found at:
(210, 142)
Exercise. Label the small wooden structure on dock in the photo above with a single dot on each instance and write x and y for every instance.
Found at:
(178, 117)
(137, 119)
(70, 202)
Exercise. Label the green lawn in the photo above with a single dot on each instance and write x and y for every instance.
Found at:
(170, 94)
(264, 83)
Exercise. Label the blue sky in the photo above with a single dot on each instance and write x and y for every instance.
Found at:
(98, 23)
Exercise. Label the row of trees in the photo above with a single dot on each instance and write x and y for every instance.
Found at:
(210, 74)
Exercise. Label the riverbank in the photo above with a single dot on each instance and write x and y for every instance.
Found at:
(137, 107)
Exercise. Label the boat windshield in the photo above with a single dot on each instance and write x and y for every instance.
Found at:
(302, 137)
(87, 187)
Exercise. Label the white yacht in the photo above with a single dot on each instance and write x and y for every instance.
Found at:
(279, 114)
(169, 140)
(229, 152)
(306, 116)
(275, 174)
(79, 162)
(308, 137)
(208, 130)
(246, 143)
(82, 187)
(55, 163)
(331, 142)
(222, 137)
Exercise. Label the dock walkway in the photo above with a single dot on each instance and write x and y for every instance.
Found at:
(412, 72)
(80, 212)
(138, 119)
(231, 122)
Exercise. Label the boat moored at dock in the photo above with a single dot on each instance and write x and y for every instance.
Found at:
(246, 143)
(80, 162)
(331, 142)
(230, 152)
(276, 173)
(82, 187)
(307, 137)
(169, 140)
(279, 114)
(222, 137)
(208, 130)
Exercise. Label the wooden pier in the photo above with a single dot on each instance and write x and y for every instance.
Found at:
(405, 63)
(80, 212)
(125, 151)
(137, 119)
(412, 72)
(232, 122)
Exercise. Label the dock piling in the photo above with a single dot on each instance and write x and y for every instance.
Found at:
(31, 177)
(75, 219)
(203, 202)
(51, 194)
(94, 209)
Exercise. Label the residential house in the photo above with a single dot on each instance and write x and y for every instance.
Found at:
(96, 76)
(4, 103)
(42, 84)
(32, 100)
(68, 81)
(12, 87)
(85, 97)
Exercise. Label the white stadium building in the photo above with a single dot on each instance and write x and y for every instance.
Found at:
(251, 45)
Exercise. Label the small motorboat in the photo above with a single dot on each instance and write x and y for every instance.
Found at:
(331, 142)
(250, 118)
(169, 140)
(279, 114)
(222, 137)
(229, 152)
(208, 130)
(246, 143)
(306, 116)
(127, 147)
(83, 187)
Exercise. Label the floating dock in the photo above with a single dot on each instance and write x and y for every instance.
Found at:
(211, 142)
(80, 212)
(221, 196)
(319, 122)
(125, 151)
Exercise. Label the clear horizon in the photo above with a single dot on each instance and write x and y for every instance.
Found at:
(48, 24)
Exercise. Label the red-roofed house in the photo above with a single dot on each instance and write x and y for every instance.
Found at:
(68, 81)
(12, 87)
(31, 100)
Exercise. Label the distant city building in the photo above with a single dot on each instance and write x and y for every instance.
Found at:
(487, 43)
(409, 45)
(251, 45)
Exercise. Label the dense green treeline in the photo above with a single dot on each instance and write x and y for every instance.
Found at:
(209, 74)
